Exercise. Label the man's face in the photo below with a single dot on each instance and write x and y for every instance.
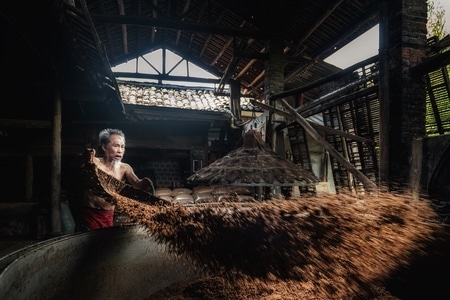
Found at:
(115, 150)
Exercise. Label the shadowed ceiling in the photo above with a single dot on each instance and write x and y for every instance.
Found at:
(230, 38)
(75, 43)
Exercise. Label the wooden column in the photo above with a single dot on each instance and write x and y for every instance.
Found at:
(274, 83)
(56, 226)
(416, 167)
(235, 99)
(384, 94)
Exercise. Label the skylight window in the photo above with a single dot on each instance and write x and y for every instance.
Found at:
(361, 48)
(150, 68)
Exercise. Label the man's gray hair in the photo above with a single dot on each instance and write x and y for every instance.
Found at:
(104, 136)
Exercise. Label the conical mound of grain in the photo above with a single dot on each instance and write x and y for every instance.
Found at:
(253, 164)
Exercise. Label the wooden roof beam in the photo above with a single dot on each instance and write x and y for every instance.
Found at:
(179, 25)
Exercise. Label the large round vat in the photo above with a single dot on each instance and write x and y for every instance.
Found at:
(112, 263)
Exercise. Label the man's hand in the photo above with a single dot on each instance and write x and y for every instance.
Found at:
(82, 159)
(88, 155)
(145, 183)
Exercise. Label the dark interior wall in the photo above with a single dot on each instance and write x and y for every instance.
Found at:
(25, 157)
(32, 65)
(27, 60)
(13, 187)
(160, 134)
(435, 175)
(31, 59)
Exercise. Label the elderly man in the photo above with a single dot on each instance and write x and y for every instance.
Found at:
(97, 209)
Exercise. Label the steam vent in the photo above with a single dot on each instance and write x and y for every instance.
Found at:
(253, 164)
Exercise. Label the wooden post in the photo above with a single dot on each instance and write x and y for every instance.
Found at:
(384, 96)
(416, 168)
(56, 226)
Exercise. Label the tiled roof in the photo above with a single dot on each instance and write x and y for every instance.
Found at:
(179, 97)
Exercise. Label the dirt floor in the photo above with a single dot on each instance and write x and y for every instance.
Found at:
(345, 246)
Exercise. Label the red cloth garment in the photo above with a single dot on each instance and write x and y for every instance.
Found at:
(97, 218)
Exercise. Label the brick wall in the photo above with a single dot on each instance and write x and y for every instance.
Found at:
(406, 100)
(165, 172)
